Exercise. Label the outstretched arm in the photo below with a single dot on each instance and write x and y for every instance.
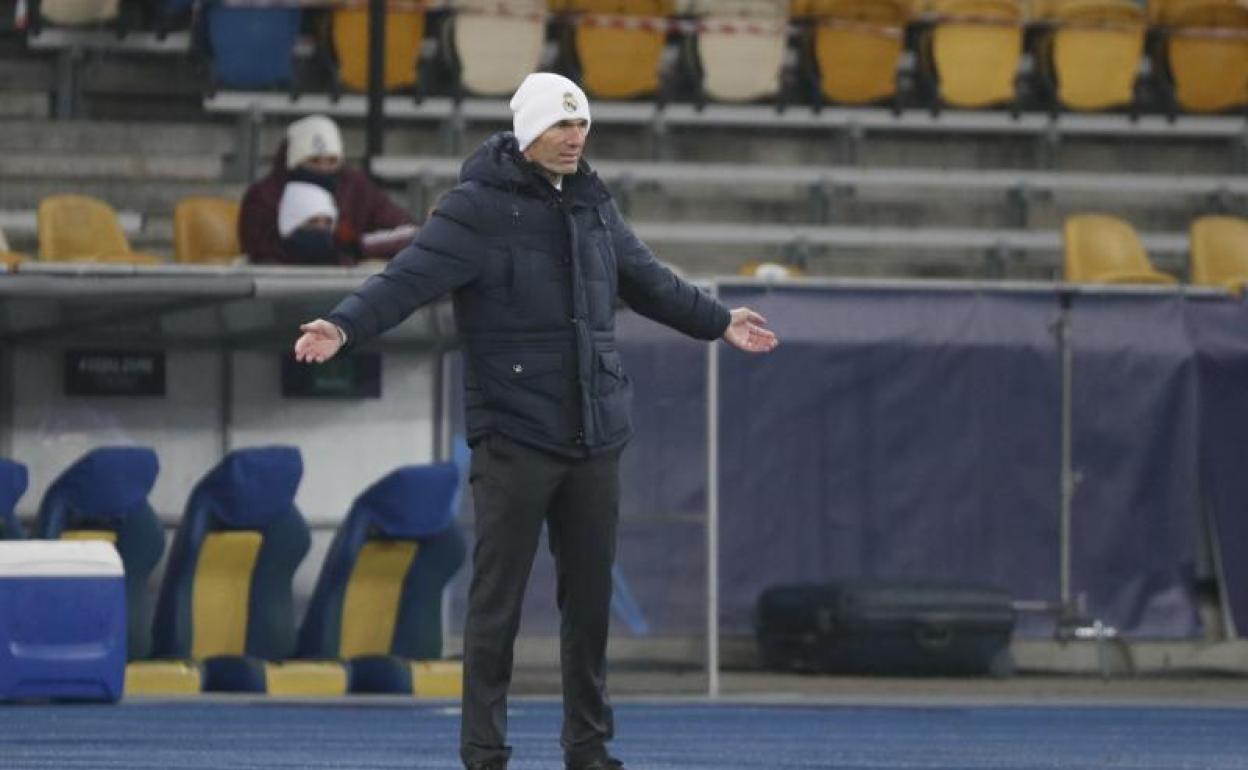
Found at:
(445, 255)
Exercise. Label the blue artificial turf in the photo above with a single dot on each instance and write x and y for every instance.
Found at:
(265, 736)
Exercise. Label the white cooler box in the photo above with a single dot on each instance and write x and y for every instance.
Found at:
(62, 620)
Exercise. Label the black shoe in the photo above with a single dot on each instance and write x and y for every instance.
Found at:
(600, 764)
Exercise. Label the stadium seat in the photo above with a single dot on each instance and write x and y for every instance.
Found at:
(78, 228)
(1207, 54)
(252, 47)
(973, 51)
(225, 601)
(491, 52)
(1220, 252)
(741, 49)
(856, 46)
(1092, 51)
(619, 45)
(405, 33)
(13, 480)
(205, 230)
(103, 496)
(73, 13)
(1105, 249)
(378, 600)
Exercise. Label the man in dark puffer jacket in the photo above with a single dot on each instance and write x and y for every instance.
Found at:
(536, 253)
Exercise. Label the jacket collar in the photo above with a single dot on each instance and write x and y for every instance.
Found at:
(499, 163)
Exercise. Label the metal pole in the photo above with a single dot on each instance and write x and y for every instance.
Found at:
(1067, 470)
(712, 517)
(374, 137)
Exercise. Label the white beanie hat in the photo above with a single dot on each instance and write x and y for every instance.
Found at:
(541, 101)
(312, 136)
(300, 202)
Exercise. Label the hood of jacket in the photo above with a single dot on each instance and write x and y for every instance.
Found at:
(499, 163)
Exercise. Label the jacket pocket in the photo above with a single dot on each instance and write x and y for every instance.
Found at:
(613, 397)
(530, 386)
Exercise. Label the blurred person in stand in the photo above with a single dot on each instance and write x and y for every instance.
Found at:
(369, 225)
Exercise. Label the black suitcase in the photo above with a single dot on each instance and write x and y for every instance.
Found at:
(910, 629)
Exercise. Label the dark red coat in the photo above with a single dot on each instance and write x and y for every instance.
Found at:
(363, 207)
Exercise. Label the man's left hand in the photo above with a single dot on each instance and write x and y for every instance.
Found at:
(747, 333)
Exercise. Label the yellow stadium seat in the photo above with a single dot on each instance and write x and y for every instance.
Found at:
(405, 31)
(494, 51)
(974, 49)
(620, 61)
(206, 230)
(1220, 252)
(78, 228)
(741, 49)
(1092, 52)
(1105, 249)
(1207, 54)
(857, 45)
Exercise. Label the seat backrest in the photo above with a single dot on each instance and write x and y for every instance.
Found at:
(857, 47)
(78, 12)
(1219, 251)
(252, 47)
(78, 227)
(495, 51)
(1101, 248)
(620, 62)
(975, 51)
(380, 588)
(13, 480)
(205, 229)
(103, 496)
(1210, 71)
(1096, 51)
(227, 585)
(742, 47)
(405, 33)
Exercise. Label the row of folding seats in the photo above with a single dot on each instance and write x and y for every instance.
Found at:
(1088, 52)
(1098, 249)
(79, 228)
(1105, 249)
(224, 618)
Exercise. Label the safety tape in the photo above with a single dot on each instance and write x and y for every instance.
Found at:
(748, 26)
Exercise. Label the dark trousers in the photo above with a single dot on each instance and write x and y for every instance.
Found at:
(515, 489)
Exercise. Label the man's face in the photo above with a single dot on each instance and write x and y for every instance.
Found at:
(558, 150)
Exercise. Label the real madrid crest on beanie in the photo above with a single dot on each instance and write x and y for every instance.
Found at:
(541, 101)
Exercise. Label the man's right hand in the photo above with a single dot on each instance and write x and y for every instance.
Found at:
(318, 343)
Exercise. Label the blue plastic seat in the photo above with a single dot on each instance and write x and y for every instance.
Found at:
(13, 480)
(225, 601)
(103, 496)
(252, 47)
(378, 601)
